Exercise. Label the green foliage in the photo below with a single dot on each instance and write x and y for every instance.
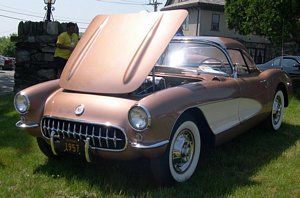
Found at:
(277, 20)
(7, 47)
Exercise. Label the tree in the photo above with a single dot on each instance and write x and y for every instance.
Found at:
(7, 47)
(278, 20)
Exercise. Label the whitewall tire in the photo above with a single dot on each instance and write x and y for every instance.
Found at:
(277, 110)
(181, 158)
(184, 151)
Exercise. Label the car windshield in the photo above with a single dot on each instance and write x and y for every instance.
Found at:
(197, 57)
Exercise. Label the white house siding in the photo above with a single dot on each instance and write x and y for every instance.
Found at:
(200, 20)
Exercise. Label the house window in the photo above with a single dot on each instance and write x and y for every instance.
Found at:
(215, 22)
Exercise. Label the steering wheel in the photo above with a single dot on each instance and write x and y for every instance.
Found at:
(211, 69)
(210, 58)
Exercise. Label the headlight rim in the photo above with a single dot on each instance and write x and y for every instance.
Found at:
(148, 120)
(26, 99)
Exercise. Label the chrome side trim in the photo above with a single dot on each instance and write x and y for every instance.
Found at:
(151, 146)
(20, 124)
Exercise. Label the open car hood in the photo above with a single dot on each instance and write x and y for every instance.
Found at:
(117, 52)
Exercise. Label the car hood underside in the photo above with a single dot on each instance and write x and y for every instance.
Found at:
(117, 52)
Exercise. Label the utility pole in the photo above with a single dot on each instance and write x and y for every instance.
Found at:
(154, 3)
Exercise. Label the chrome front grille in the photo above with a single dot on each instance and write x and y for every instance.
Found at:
(101, 137)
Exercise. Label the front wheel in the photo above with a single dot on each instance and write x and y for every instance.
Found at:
(276, 116)
(181, 158)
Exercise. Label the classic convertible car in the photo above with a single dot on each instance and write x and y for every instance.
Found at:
(131, 89)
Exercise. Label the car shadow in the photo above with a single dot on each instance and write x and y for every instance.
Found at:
(221, 170)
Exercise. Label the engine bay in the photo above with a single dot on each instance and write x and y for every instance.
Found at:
(156, 83)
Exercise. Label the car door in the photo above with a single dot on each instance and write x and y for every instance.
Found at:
(252, 87)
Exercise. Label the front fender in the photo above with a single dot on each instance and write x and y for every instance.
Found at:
(37, 95)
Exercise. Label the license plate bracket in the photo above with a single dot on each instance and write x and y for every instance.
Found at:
(71, 145)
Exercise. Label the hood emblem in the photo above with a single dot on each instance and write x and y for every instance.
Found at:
(79, 110)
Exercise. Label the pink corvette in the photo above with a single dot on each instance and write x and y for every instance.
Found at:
(131, 89)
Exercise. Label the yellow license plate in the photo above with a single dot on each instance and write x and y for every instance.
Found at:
(72, 146)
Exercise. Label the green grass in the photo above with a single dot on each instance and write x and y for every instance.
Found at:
(256, 164)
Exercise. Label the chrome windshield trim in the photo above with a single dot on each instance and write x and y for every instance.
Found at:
(22, 125)
(151, 146)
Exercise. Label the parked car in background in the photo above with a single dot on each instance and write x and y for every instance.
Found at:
(134, 90)
(2, 61)
(7, 63)
(289, 64)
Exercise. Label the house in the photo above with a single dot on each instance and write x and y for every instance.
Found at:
(206, 18)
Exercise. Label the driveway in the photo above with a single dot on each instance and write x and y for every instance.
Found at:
(6, 81)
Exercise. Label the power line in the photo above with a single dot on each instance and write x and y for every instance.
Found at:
(122, 2)
(22, 19)
(19, 19)
(65, 19)
(83, 21)
(12, 17)
(18, 9)
(20, 13)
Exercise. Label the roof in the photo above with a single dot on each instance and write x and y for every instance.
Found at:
(191, 3)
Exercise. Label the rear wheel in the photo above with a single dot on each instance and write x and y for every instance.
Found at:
(179, 162)
(276, 116)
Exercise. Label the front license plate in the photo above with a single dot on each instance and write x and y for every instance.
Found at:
(73, 146)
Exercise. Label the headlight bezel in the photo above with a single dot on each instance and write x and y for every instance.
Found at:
(144, 117)
(21, 99)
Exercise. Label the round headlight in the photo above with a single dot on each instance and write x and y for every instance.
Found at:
(139, 118)
(21, 103)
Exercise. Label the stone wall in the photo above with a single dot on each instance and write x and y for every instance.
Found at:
(35, 46)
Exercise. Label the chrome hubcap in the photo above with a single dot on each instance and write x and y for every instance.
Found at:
(183, 151)
(277, 110)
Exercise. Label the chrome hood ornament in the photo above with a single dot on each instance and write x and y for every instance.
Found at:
(79, 110)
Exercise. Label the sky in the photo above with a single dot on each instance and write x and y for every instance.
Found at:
(12, 12)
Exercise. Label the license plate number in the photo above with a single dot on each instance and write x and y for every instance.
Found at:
(73, 146)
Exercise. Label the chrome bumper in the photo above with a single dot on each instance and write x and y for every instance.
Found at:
(22, 125)
(87, 147)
